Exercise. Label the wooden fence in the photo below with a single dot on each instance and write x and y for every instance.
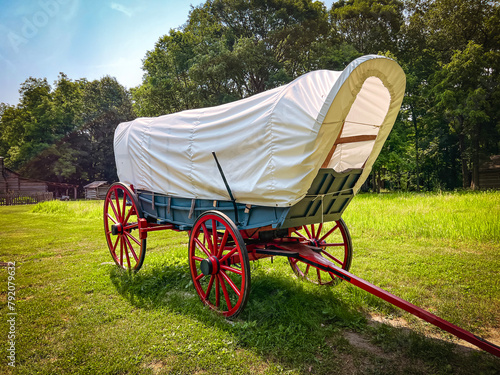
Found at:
(25, 198)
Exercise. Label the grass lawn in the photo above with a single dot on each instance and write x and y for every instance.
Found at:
(78, 314)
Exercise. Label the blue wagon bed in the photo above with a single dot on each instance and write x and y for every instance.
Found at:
(326, 199)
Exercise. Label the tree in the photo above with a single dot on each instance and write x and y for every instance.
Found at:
(452, 24)
(465, 92)
(106, 103)
(64, 134)
(27, 128)
(62, 114)
(229, 50)
(370, 26)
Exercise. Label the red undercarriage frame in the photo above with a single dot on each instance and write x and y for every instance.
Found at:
(294, 248)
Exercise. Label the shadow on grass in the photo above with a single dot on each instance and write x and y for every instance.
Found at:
(282, 318)
(303, 326)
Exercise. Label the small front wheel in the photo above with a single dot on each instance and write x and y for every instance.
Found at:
(335, 243)
(121, 227)
(218, 259)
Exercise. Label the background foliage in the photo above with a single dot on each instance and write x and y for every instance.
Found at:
(229, 49)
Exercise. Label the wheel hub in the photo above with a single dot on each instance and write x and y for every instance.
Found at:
(116, 229)
(210, 265)
(314, 242)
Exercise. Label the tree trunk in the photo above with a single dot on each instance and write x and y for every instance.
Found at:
(414, 119)
(475, 159)
(379, 182)
(374, 182)
(463, 159)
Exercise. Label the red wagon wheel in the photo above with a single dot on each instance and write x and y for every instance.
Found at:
(121, 216)
(219, 263)
(335, 243)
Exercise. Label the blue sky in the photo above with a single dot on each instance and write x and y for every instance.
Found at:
(82, 38)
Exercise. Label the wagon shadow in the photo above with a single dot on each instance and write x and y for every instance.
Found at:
(280, 309)
(154, 286)
(290, 320)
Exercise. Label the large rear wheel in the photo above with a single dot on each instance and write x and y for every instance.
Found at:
(219, 263)
(121, 227)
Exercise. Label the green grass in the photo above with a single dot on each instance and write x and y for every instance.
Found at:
(469, 217)
(77, 313)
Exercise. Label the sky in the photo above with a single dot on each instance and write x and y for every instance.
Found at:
(82, 38)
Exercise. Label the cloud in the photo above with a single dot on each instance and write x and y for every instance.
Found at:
(123, 9)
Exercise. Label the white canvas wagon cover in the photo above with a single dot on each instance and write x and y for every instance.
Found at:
(270, 145)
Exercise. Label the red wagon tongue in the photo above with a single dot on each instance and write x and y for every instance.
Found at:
(306, 254)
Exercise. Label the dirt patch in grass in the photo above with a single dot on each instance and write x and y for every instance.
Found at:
(158, 366)
(359, 342)
(378, 360)
(462, 346)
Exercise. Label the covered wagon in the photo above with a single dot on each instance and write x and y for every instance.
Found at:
(269, 175)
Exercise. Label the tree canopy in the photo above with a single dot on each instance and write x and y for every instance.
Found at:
(449, 124)
(65, 133)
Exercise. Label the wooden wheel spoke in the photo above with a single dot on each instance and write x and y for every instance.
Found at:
(111, 217)
(307, 231)
(217, 292)
(231, 283)
(215, 249)
(114, 210)
(223, 243)
(209, 287)
(208, 238)
(124, 205)
(320, 228)
(332, 257)
(127, 234)
(224, 291)
(126, 253)
(117, 200)
(329, 232)
(128, 215)
(116, 243)
(313, 232)
(228, 254)
(201, 247)
(307, 269)
(200, 276)
(132, 249)
(300, 235)
(121, 250)
(230, 269)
